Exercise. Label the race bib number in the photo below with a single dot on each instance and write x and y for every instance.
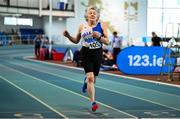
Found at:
(94, 45)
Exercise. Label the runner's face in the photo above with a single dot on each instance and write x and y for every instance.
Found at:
(92, 15)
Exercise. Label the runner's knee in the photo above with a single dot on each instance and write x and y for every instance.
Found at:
(90, 79)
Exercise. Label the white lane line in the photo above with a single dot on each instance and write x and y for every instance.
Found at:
(70, 67)
(104, 88)
(69, 91)
(40, 101)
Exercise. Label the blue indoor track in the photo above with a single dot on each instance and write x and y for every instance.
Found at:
(37, 89)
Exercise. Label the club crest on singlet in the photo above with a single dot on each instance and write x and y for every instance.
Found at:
(88, 40)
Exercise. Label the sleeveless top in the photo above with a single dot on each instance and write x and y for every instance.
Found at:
(87, 39)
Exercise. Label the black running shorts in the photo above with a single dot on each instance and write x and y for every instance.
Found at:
(91, 59)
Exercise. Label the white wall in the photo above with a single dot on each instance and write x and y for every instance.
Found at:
(57, 29)
(138, 28)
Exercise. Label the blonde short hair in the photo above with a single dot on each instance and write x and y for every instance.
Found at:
(92, 8)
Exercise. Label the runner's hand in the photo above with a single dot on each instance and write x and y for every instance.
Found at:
(96, 35)
(66, 33)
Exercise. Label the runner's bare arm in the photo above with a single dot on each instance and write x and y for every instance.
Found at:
(71, 38)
